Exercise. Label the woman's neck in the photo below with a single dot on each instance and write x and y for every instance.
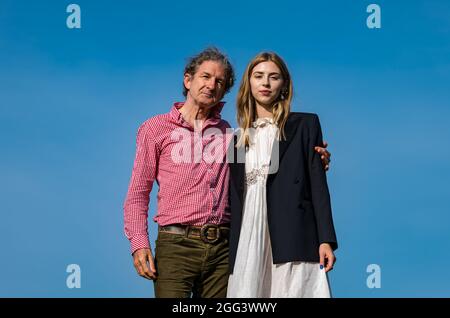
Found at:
(263, 111)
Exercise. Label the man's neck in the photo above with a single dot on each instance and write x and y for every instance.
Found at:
(193, 113)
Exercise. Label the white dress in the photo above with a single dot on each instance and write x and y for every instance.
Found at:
(254, 274)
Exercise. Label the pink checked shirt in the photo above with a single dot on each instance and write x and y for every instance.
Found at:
(190, 168)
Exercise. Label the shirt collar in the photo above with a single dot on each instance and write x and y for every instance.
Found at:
(263, 121)
(213, 119)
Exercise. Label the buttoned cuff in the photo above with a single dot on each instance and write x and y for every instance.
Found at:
(139, 241)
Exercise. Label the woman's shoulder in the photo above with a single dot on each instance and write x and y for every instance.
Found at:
(304, 119)
(305, 116)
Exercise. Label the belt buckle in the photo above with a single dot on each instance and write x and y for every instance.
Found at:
(204, 233)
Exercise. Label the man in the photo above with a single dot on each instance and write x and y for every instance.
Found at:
(191, 252)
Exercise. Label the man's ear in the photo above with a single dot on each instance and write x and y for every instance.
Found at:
(187, 81)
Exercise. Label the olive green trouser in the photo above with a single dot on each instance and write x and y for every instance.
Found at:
(187, 266)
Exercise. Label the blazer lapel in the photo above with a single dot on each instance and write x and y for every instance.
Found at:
(277, 154)
(237, 168)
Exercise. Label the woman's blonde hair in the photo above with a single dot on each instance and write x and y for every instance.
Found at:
(246, 104)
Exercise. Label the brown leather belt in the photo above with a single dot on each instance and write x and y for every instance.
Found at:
(208, 233)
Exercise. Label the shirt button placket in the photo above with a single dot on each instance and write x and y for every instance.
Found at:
(211, 189)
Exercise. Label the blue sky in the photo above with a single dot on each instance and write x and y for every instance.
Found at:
(71, 101)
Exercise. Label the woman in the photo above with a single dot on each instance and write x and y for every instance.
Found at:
(282, 233)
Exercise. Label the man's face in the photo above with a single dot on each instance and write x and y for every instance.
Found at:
(207, 86)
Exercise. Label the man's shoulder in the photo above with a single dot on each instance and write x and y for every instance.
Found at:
(155, 122)
(160, 118)
(225, 123)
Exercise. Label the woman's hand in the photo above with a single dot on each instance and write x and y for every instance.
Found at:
(327, 258)
(324, 155)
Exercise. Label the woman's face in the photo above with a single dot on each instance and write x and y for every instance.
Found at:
(266, 83)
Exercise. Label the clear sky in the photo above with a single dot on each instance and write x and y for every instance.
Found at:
(71, 101)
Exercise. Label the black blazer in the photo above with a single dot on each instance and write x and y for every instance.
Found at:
(298, 200)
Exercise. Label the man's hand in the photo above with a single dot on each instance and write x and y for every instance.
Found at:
(144, 263)
(327, 258)
(324, 155)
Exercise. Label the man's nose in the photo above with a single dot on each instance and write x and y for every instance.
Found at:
(211, 84)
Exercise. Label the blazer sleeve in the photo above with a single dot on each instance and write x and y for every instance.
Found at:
(319, 187)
